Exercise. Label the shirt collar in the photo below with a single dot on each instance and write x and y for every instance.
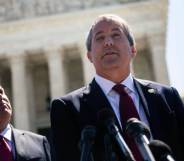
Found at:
(129, 83)
(107, 85)
(6, 133)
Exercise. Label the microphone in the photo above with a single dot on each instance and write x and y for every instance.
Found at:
(141, 134)
(106, 117)
(161, 151)
(87, 140)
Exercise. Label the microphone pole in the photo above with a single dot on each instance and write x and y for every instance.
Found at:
(141, 134)
(106, 117)
(161, 151)
(87, 140)
(109, 153)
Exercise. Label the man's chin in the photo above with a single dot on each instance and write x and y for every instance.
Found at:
(111, 67)
(111, 63)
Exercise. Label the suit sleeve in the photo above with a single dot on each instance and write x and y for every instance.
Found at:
(177, 106)
(65, 131)
(46, 149)
(179, 110)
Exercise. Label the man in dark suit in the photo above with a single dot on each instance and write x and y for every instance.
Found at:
(19, 145)
(111, 48)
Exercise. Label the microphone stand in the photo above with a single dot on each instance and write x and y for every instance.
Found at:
(106, 118)
(141, 134)
(87, 140)
(109, 153)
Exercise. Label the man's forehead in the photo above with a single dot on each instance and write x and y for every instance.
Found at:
(109, 21)
(104, 24)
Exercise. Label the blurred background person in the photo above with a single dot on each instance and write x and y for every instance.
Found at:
(18, 145)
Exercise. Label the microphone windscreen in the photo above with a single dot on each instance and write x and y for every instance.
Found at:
(89, 132)
(135, 127)
(159, 149)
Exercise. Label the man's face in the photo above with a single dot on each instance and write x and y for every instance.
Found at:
(5, 109)
(110, 49)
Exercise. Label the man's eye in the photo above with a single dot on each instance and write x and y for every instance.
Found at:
(116, 35)
(99, 38)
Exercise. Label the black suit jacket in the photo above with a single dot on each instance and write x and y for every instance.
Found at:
(71, 113)
(30, 146)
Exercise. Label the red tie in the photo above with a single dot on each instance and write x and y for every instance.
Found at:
(127, 110)
(5, 152)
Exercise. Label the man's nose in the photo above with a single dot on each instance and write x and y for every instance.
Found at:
(109, 41)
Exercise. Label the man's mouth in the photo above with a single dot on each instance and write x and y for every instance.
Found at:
(107, 53)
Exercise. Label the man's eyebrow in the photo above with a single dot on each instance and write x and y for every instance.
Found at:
(98, 33)
(116, 29)
(101, 32)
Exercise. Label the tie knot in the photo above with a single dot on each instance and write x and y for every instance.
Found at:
(120, 89)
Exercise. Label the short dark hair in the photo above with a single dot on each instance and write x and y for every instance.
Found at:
(111, 17)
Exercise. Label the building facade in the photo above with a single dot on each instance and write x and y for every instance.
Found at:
(43, 54)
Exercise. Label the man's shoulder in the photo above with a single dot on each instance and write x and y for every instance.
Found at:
(78, 92)
(159, 88)
(152, 84)
(71, 97)
(27, 134)
(37, 145)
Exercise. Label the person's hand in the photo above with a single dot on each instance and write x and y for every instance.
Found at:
(5, 109)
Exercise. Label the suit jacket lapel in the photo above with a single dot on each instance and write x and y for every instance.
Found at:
(156, 109)
(149, 102)
(23, 150)
(140, 89)
(92, 102)
(19, 150)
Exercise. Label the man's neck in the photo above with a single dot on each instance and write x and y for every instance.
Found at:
(2, 129)
(115, 77)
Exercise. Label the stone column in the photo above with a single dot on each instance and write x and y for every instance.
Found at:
(20, 97)
(157, 46)
(88, 68)
(56, 72)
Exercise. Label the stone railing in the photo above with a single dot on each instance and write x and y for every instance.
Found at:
(21, 9)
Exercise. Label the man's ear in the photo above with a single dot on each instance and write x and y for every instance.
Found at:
(89, 56)
(134, 51)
